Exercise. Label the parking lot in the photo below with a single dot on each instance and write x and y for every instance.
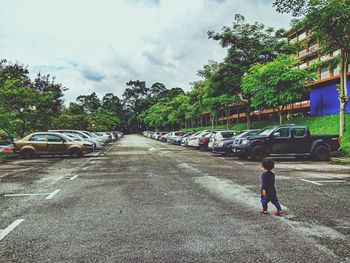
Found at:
(140, 200)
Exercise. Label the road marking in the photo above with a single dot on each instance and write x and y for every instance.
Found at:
(17, 195)
(311, 182)
(52, 194)
(238, 162)
(331, 181)
(72, 178)
(7, 230)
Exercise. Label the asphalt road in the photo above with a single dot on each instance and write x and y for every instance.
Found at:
(140, 200)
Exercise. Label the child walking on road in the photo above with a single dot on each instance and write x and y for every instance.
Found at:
(268, 191)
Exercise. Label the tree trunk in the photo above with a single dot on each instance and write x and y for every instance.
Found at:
(280, 113)
(248, 110)
(212, 121)
(343, 90)
(227, 118)
(23, 128)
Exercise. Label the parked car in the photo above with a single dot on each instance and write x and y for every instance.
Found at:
(159, 135)
(184, 138)
(203, 142)
(174, 137)
(219, 136)
(7, 149)
(192, 141)
(97, 143)
(155, 135)
(225, 146)
(50, 143)
(163, 138)
(288, 140)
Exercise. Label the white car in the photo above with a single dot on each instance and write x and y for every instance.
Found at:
(219, 136)
(155, 135)
(97, 143)
(194, 139)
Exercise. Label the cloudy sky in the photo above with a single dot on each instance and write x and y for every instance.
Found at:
(98, 45)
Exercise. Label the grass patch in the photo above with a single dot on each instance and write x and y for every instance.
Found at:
(317, 125)
(4, 156)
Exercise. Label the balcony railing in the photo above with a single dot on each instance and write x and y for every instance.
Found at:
(314, 48)
(302, 53)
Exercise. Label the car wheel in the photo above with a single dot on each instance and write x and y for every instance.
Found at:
(321, 153)
(75, 153)
(258, 153)
(28, 154)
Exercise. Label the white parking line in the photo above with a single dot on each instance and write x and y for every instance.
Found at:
(72, 178)
(17, 195)
(52, 194)
(311, 182)
(7, 230)
(331, 181)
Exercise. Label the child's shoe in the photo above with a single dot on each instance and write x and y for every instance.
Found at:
(264, 212)
(280, 213)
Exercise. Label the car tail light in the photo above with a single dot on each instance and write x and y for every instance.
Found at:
(339, 140)
(203, 140)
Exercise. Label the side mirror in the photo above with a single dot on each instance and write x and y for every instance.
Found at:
(277, 134)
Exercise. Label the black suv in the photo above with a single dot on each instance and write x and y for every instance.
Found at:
(289, 140)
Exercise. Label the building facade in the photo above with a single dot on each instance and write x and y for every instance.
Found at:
(323, 94)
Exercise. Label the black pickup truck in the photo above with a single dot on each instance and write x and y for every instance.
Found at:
(290, 140)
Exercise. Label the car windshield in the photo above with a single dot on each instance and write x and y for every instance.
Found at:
(246, 133)
(226, 135)
(267, 131)
(66, 137)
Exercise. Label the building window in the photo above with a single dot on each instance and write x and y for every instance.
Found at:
(336, 53)
(325, 57)
(294, 40)
(304, 65)
(313, 61)
(302, 53)
(336, 71)
(302, 36)
(313, 48)
(325, 72)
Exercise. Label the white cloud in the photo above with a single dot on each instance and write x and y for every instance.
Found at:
(98, 45)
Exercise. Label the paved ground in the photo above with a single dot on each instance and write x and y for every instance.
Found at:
(145, 201)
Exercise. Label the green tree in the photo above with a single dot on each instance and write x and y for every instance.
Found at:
(277, 84)
(91, 103)
(103, 120)
(18, 102)
(113, 104)
(50, 102)
(246, 45)
(328, 21)
(72, 117)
